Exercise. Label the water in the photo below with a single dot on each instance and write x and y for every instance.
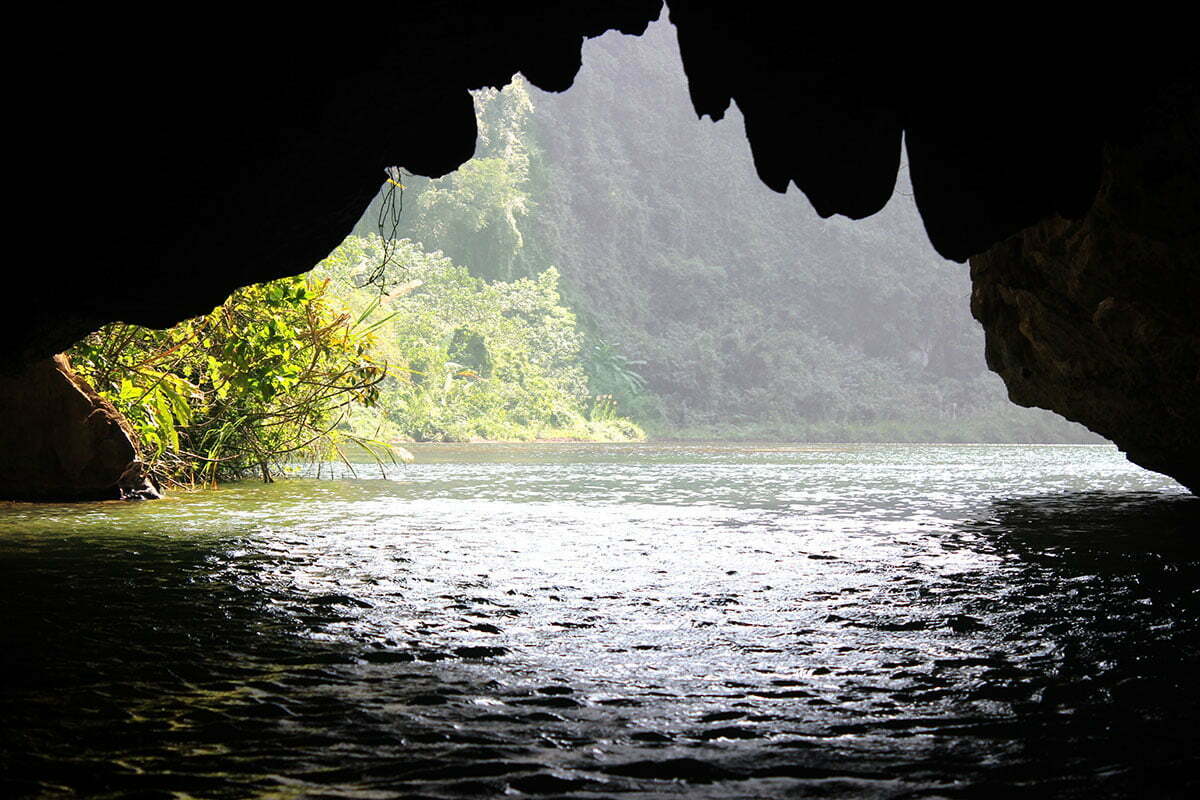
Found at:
(615, 621)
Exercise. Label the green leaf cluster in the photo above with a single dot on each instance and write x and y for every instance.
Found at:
(470, 358)
(267, 374)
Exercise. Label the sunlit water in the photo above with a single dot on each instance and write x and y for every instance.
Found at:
(611, 621)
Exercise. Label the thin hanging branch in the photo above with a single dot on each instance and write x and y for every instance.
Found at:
(388, 224)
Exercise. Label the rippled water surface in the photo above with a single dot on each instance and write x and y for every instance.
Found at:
(615, 621)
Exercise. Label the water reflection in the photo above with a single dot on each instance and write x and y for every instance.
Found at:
(1102, 586)
(643, 629)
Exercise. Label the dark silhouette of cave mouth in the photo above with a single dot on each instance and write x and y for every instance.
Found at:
(255, 165)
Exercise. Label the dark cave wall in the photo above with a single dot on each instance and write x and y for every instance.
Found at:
(162, 168)
(1099, 318)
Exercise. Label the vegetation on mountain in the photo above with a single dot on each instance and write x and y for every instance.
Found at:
(710, 306)
(468, 358)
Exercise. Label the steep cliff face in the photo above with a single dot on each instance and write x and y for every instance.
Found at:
(61, 441)
(1099, 318)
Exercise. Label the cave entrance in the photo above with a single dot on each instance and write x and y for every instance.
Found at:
(708, 304)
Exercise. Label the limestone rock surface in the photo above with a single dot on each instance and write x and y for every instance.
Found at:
(62, 442)
(1099, 318)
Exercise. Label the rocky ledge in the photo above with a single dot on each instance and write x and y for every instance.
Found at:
(62, 442)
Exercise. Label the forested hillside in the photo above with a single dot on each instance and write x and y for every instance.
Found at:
(710, 304)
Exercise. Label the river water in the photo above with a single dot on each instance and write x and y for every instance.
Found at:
(615, 621)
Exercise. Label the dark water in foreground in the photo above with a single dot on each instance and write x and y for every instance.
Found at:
(612, 621)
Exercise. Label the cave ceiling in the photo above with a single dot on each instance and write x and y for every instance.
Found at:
(177, 164)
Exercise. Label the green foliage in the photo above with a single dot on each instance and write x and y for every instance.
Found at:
(478, 210)
(267, 374)
(469, 348)
(477, 215)
(470, 359)
(611, 373)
